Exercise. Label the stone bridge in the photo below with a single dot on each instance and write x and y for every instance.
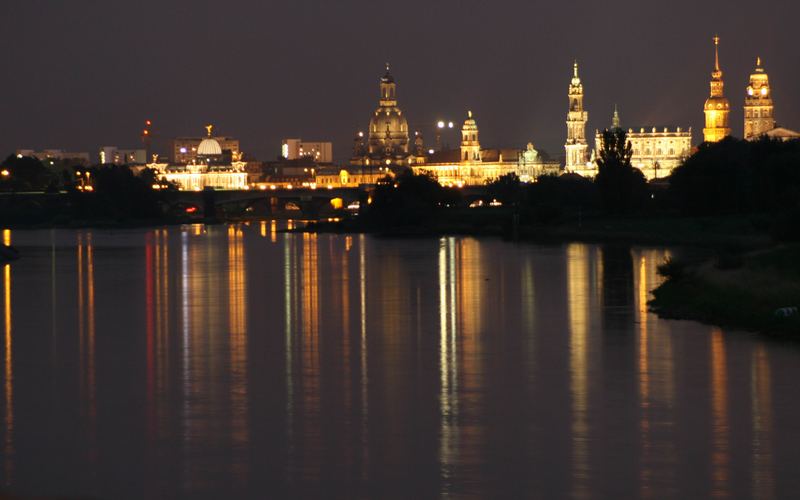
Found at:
(298, 202)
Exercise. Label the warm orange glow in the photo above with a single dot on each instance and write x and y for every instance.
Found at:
(337, 203)
(7, 237)
(5, 173)
(8, 374)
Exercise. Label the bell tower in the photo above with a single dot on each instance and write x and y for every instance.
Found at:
(758, 108)
(717, 108)
(576, 146)
(470, 145)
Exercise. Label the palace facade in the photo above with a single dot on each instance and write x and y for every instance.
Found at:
(471, 165)
(211, 167)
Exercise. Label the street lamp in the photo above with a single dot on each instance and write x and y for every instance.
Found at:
(5, 173)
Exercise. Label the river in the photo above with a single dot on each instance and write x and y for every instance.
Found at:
(242, 362)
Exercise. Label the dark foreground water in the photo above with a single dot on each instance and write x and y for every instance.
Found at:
(234, 361)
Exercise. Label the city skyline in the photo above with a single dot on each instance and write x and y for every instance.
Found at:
(519, 98)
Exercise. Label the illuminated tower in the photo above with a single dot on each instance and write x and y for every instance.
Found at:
(758, 109)
(576, 124)
(470, 146)
(388, 129)
(615, 120)
(717, 107)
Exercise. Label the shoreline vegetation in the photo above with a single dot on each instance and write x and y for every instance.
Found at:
(741, 199)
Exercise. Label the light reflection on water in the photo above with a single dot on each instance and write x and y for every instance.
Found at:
(241, 361)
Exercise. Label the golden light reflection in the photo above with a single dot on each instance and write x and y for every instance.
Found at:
(720, 427)
(7, 237)
(8, 373)
(448, 361)
(364, 375)
(273, 231)
(86, 336)
(762, 440)
(237, 323)
(578, 293)
(263, 228)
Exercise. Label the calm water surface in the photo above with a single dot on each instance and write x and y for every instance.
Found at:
(235, 361)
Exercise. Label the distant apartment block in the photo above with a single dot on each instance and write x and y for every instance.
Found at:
(295, 149)
(116, 156)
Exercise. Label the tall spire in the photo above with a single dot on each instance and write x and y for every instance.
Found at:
(575, 69)
(615, 121)
(716, 53)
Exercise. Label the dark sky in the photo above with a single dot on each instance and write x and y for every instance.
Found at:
(80, 74)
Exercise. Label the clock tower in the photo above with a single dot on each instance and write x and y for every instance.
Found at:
(758, 109)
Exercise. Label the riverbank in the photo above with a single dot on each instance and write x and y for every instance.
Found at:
(741, 233)
(757, 291)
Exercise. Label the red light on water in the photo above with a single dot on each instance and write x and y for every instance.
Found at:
(191, 210)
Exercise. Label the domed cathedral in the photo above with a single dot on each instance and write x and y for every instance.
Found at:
(717, 108)
(387, 140)
(576, 147)
(758, 108)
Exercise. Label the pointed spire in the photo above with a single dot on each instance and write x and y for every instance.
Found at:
(615, 121)
(387, 67)
(469, 114)
(575, 69)
(758, 62)
(716, 53)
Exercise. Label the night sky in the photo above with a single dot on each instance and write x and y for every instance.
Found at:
(78, 74)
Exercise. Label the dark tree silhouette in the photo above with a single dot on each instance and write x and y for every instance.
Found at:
(622, 187)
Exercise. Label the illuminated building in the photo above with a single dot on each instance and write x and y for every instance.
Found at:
(351, 177)
(320, 152)
(759, 118)
(576, 147)
(655, 151)
(717, 108)
(472, 165)
(185, 149)
(210, 168)
(387, 141)
(758, 108)
(116, 156)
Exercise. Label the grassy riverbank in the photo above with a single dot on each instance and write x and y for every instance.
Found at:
(741, 291)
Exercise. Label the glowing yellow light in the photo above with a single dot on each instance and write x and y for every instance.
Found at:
(330, 186)
(5, 173)
(337, 203)
(273, 187)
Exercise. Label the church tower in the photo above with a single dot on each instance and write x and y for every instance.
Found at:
(470, 146)
(758, 109)
(576, 147)
(717, 108)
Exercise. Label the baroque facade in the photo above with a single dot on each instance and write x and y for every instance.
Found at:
(212, 167)
(717, 107)
(471, 165)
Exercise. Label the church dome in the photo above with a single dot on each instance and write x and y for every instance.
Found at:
(713, 103)
(209, 147)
